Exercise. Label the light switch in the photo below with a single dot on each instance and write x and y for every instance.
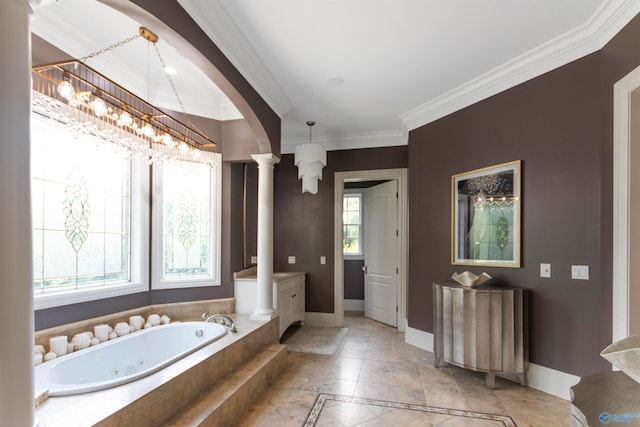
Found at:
(323, 259)
(545, 270)
(580, 272)
(254, 259)
(292, 259)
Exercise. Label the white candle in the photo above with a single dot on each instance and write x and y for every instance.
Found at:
(101, 332)
(154, 319)
(58, 345)
(137, 322)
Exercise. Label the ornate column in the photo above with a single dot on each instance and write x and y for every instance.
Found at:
(16, 285)
(264, 307)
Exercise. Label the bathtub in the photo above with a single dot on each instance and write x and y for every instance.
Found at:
(124, 359)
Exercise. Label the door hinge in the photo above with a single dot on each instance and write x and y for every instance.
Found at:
(397, 271)
(397, 196)
(397, 233)
(396, 308)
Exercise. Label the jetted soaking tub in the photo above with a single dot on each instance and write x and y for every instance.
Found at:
(124, 359)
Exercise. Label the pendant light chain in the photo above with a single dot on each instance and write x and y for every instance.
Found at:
(109, 48)
(173, 86)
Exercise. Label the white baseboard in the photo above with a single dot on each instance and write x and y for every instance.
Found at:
(418, 338)
(323, 319)
(539, 377)
(353, 305)
(551, 381)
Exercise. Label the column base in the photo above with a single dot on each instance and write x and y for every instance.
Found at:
(263, 315)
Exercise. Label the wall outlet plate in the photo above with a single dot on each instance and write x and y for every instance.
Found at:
(292, 259)
(323, 260)
(545, 270)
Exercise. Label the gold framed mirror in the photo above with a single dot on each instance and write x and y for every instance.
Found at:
(485, 216)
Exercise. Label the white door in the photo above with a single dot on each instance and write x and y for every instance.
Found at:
(381, 253)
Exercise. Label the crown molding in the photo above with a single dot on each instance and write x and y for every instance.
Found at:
(212, 17)
(605, 23)
(350, 142)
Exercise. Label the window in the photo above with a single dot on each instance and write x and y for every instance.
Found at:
(352, 224)
(86, 218)
(91, 218)
(186, 224)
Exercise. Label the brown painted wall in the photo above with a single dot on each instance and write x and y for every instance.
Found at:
(238, 141)
(353, 279)
(303, 223)
(560, 126)
(251, 205)
(552, 124)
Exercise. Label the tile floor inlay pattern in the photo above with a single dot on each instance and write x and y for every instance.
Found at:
(395, 414)
(373, 361)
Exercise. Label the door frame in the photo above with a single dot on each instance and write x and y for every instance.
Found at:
(621, 147)
(371, 175)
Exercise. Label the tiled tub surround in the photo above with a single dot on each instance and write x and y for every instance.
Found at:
(152, 400)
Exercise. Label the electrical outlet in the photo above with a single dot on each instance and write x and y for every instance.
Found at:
(323, 260)
(545, 270)
(254, 259)
(292, 259)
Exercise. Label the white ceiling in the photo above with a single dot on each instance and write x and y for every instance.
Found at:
(366, 71)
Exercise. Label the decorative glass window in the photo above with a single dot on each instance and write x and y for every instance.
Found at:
(83, 217)
(352, 224)
(187, 224)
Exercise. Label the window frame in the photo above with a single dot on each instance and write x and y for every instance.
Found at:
(157, 223)
(360, 194)
(138, 255)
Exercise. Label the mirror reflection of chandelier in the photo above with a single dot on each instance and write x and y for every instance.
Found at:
(310, 159)
(94, 106)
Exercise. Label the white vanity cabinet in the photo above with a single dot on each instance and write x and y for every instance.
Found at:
(288, 295)
(290, 300)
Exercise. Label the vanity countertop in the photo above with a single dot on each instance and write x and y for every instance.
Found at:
(249, 274)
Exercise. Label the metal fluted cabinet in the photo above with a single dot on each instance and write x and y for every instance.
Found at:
(483, 328)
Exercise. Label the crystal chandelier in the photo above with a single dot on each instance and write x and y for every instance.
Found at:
(94, 106)
(310, 159)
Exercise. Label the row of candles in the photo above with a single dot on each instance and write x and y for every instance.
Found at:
(60, 345)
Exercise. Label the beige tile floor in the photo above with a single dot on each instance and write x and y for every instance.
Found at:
(374, 362)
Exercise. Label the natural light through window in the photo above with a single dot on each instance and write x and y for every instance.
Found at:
(91, 216)
(352, 224)
(187, 218)
(81, 204)
(187, 224)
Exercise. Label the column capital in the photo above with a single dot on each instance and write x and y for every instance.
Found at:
(266, 159)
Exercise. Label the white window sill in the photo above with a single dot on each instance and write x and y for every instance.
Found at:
(56, 299)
